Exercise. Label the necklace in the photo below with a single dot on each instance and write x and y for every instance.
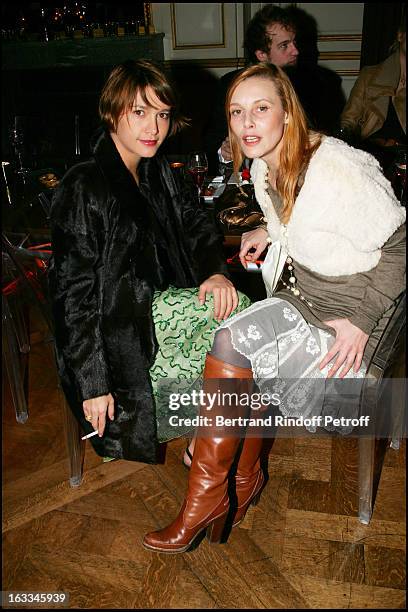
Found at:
(292, 280)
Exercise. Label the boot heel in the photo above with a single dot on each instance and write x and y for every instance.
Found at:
(215, 529)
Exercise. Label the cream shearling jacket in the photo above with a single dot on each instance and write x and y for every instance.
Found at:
(344, 213)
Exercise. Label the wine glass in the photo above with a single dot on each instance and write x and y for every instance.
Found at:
(197, 167)
(17, 140)
(6, 184)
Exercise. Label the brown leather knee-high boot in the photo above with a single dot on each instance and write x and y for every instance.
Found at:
(206, 504)
(249, 479)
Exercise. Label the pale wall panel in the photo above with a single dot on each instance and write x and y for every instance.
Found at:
(198, 27)
(336, 17)
(347, 84)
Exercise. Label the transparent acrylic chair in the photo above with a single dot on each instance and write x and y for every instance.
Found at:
(30, 264)
(15, 339)
(357, 458)
(383, 395)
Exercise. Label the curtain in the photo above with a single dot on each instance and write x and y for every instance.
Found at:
(380, 25)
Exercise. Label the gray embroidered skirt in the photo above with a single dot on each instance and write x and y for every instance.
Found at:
(285, 352)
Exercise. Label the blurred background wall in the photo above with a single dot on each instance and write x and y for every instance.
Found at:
(54, 61)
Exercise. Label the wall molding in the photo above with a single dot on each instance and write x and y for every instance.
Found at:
(339, 37)
(348, 73)
(179, 46)
(222, 62)
(232, 62)
(339, 55)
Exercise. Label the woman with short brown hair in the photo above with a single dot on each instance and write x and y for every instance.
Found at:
(130, 247)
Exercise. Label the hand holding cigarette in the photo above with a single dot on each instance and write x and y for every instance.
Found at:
(95, 412)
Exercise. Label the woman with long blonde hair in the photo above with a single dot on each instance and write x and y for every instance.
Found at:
(335, 267)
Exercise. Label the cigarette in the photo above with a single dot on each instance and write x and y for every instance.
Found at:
(94, 433)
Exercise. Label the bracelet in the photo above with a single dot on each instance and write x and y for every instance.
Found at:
(264, 226)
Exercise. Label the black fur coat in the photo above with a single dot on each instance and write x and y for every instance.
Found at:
(104, 270)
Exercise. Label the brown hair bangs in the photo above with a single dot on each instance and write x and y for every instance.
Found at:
(128, 79)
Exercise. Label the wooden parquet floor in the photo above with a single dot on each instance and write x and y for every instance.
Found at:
(301, 547)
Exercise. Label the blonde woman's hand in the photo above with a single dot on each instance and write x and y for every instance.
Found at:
(226, 150)
(255, 239)
(349, 347)
(224, 294)
(96, 408)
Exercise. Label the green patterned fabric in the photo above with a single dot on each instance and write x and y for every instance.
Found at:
(185, 331)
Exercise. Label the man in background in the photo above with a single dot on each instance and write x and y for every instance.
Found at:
(272, 36)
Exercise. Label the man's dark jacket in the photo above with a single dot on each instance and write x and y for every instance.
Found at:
(103, 274)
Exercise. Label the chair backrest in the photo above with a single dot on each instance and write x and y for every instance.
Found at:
(391, 342)
(32, 267)
(13, 299)
(383, 392)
